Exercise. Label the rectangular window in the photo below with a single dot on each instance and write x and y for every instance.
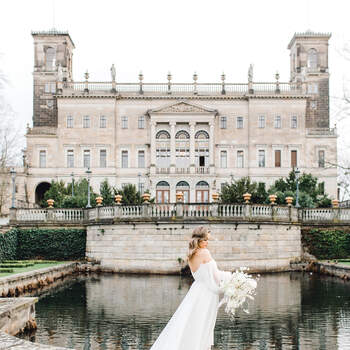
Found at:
(87, 163)
(53, 88)
(70, 121)
(261, 158)
(321, 159)
(86, 121)
(42, 159)
(223, 159)
(240, 159)
(312, 88)
(141, 159)
(125, 160)
(141, 122)
(321, 187)
(141, 188)
(103, 121)
(261, 121)
(278, 122)
(70, 158)
(293, 160)
(223, 122)
(124, 122)
(277, 158)
(103, 158)
(239, 122)
(294, 122)
(47, 88)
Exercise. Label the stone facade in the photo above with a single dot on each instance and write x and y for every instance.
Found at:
(168, 137)
(161, 247)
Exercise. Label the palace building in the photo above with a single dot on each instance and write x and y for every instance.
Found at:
(168, 137)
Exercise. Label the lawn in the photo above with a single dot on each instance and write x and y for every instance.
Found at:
(345, 262)
(8, 268)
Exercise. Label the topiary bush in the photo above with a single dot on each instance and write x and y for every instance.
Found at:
(8, 245)
(327, 244)
(51, 244)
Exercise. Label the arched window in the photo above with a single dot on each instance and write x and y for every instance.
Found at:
(202, 184)
(182, 134)
(201, 134)
(162, 134)
(162, 192)
(182, 184)
(50, 58)
(202, 192)
(312, 59)
(162, 184)
(184, 187)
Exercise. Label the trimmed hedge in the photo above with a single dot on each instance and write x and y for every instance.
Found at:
(327, 244)
(48, 244)
(8, 245)
(58, 244)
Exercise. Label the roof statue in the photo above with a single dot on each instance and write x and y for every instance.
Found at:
(113, 72)
(250, 73)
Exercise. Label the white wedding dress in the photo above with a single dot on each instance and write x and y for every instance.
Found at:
(192, 325)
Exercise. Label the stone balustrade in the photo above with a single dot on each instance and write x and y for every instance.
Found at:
(260, 88)
(245, 212)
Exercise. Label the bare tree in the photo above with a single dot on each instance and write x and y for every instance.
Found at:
(10, 147)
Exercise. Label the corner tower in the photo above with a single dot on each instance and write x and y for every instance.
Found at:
(309, 65)
(53, 53)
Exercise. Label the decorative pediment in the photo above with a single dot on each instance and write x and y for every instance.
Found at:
(182, 107)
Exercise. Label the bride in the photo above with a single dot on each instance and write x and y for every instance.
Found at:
(192, 325)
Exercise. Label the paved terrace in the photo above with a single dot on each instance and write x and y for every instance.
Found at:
(180, 211)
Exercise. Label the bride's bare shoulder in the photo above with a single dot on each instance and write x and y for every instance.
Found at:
(204, 254)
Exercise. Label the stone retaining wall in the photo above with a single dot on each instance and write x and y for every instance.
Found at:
(332, 269)
(17, 284)
(161, 247)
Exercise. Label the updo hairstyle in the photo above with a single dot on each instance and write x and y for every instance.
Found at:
(199, 234)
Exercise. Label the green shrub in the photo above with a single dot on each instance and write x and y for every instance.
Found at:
(327, 244)
(51, 244)
(8, 245)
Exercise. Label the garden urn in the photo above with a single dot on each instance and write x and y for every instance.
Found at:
(118, 198)
(272, 198)
(215, 196)
(179, 196)
(335, 203)
(146, 197)
(50, 203)
(99, 200)
(289, 201)
(247, 197)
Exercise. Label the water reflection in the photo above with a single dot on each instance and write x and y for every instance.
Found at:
(291, 311)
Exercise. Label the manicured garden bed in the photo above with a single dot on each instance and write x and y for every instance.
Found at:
(8, 268)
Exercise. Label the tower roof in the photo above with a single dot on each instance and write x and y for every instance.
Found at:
(52, 32)
(309, 34)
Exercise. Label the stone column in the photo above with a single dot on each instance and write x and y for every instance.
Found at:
(192, 148)
(153, 147)
(172, 147)
(211, 148)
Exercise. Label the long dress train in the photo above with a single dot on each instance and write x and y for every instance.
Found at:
(192, 325)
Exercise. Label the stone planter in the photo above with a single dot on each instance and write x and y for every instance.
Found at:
(247, 197)
(146, 197)
(99, 200)
(118, 198)
(179, 196)
(335, 203)
(272, 198)
(289, 201)
(215, 196)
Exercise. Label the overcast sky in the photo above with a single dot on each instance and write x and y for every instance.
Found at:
(156, 36)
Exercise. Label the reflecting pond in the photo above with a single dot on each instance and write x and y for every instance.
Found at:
(291, 311)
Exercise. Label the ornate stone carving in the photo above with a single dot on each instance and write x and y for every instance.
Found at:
(183, 107)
